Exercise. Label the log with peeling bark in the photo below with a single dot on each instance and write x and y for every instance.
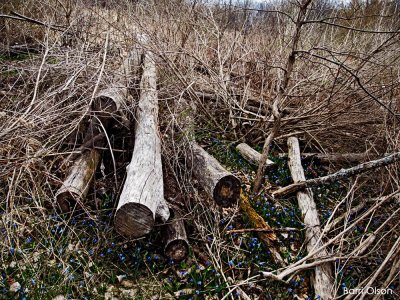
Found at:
(322, 278)
(342, 174)
(76, 185)
(251, 155)
(220, 184)
(143, 191)
(175, 238)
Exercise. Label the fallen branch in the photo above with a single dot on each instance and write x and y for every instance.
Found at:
(269, 238)
(322, 278)
(342, 174)
(272, 230)
(19, 17)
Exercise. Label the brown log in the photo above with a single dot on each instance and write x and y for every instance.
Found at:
(322, 279)
(342, 174)
(220, 184)
(143, 191)
(76, 185)
(175, 238)
(251, 155)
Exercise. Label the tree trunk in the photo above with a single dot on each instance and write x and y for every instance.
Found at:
(76, 185)
(143, 192)
(251, 155)
(322, 278)
(220, 184)
(175, 239)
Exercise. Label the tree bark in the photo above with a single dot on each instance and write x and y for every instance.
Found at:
(342, 174)
(220, 184)
(251, 155)
(175, 238)
(143, 192)
(322, 279)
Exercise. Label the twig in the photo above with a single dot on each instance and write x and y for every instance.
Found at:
(344, 173)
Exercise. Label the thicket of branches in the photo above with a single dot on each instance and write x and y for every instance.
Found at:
(324, 72)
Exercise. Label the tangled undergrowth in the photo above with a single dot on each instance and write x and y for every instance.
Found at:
(341, 97)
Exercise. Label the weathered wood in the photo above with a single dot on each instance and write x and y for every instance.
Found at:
(251, 155)
(220, 184)
(322, 279)
(175, 238)
(76, 185)
(143, 190)
(104, 106)
(342, 174)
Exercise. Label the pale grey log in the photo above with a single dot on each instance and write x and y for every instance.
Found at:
(220, 184)
(77, 183)
(175, 238)
(143, 191)
(251, 155)
(322, 279)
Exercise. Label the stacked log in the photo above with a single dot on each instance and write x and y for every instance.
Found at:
(175, 238)
(103, 109)
(143, 192)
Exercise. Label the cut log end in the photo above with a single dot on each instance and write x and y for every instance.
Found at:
(134, 220)
(104, 106)
(67, 200)
(227, 191)
(177, 250)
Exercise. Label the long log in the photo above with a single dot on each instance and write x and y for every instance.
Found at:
(175, 238)
(251, 155)
(220, 184)
(342, 174)
(143, 191)
(322, 278)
